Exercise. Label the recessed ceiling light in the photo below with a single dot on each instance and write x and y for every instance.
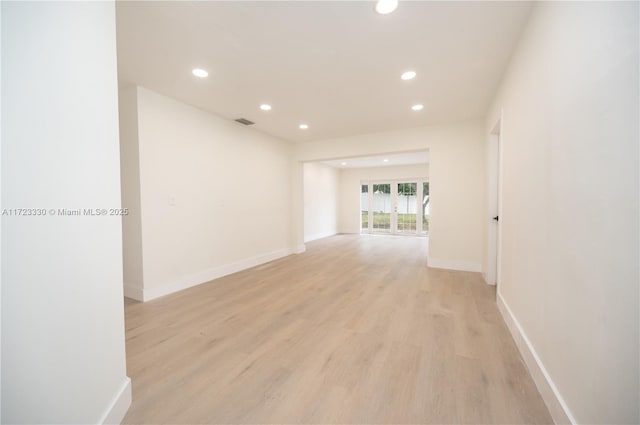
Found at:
(200, 73)
(343, 163)
(265, 107)
(303, 126)
(409, 75)
(385, 7)
(385, 160)
(417, 107)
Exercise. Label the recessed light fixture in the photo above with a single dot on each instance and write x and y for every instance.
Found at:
(385, 160)
(409, 75)
(343, 163)
(417, 107)
(200, 73)
(384, 7)
(303, 126)
(265, 107)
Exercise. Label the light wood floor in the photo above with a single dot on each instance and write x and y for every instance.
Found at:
(356, 330)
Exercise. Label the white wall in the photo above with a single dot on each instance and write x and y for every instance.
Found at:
(350, 178)
(569, 272)
(130, 184)
(63, 352)
(215, 196)
(456, 183)
(320, 201)
(0, 225)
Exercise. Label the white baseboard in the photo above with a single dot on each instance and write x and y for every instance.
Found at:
(553, 399)
(209, 275)
(300, 249)
(453, 265)
(319, 236)
(133, 291)
(119, 405)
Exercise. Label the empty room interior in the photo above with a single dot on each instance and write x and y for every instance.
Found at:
(327, 212)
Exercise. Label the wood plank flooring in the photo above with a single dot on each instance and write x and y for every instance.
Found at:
(357, 330)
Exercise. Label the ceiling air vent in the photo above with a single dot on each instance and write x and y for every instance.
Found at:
(244, 121)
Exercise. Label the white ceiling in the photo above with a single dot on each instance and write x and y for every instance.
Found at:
(407, 158)
(333, 65)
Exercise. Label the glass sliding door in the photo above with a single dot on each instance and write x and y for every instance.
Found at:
(364, 207)
(399, 207)
(381, 208)
(425, 208)
(406, 208)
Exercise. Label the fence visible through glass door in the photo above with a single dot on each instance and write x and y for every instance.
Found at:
(425, 208)
(364, 208)
(395, 207)
(406, 207)
(381, 208)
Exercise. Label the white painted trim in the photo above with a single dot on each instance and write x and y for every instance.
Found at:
(214, 273)
(300, 249)
(550, 394)
(501, 146)
(133, 291)
(319, 236)
(494, 201)
(453, 265)
(119, 405)
(492, 208)
(400, 180)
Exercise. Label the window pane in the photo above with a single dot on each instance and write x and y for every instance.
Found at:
(382, 208)
(364, 207)
(425, 208)
(407, 207)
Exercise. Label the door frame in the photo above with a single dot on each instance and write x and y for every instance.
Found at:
(494, 194)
